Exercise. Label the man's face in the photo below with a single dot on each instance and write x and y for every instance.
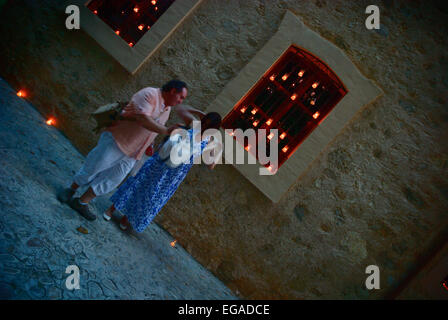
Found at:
(175, 98)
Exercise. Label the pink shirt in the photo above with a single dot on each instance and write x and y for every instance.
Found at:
(132, 138)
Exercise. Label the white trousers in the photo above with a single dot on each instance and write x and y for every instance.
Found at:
(105, 167)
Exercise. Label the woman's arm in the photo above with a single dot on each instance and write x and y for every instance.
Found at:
(211, 166)
(213, 155)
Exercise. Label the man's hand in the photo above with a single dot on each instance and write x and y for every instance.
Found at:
(172, 128)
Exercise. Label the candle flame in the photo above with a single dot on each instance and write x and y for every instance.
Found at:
(95, 12)
(141, 26)
(131, 44)
(285, 76)
(301, 73)
(254, 111)
(21, 93)
(272, 78)
(255, 123)
(136, 9)
(285, 148)
(173, 243)
(315, 84)
(271, 135)
(293, 97)
(153, 2)
(51, 122)
(243, 109)
(269, 122)
(117, 32)
(283, 135)
(316, 115)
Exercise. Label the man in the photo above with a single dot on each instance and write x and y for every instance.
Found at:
(123, 143)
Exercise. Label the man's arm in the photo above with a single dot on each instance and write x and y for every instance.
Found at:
(149, 123)
(187, 113)
(140, 109)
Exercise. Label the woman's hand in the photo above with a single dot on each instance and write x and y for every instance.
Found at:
(211, 166)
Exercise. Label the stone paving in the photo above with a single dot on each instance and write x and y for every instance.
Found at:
(39, 236)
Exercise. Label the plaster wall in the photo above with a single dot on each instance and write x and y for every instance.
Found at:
(378, 194)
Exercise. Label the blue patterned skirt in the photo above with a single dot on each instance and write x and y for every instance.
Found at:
(141, 197)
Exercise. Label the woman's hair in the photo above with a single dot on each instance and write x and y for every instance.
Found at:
(211, 120)
(174, 84)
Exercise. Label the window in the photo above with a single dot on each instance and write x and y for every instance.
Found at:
(309, 120)
(132, 30)
(293, 96)
(130, 20)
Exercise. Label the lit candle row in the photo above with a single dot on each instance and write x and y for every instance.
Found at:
(286, 75)
(141, 26)
(270, 136)
(50, 121)
(254, 111)
(153, 2)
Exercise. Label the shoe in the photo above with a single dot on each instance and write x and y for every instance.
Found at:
(123, 227)
(65, 195)
(106, 217)
(85, 210)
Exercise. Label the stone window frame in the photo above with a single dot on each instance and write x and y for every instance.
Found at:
(132, 58)
(361, 91)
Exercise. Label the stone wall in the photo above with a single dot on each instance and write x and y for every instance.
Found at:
(376, 195)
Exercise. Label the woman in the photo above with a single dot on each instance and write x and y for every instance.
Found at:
(141, 197)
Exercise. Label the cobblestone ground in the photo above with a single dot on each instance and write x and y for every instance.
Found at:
(39, 236)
